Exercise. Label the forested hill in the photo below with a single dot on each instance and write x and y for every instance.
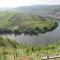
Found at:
(40, 8)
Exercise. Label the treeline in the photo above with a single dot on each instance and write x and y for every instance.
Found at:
(37, 30)
(9, 31)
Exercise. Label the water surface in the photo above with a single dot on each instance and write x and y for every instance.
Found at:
(45, 38)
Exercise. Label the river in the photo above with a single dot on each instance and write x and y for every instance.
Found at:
(45, 38)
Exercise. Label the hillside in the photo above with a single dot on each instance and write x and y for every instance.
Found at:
(10, 50)
(6, 42)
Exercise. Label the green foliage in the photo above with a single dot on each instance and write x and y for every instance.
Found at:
(11, 48)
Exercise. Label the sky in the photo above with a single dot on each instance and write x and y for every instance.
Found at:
(16, 3)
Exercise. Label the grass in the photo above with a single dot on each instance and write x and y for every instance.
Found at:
(10, 50)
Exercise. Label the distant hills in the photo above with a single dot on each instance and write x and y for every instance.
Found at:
(35, 8)
(40, 8)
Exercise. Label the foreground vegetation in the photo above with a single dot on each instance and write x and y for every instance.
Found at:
(18, 22)
(10, 50)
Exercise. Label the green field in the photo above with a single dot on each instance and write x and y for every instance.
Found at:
(26, 23)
